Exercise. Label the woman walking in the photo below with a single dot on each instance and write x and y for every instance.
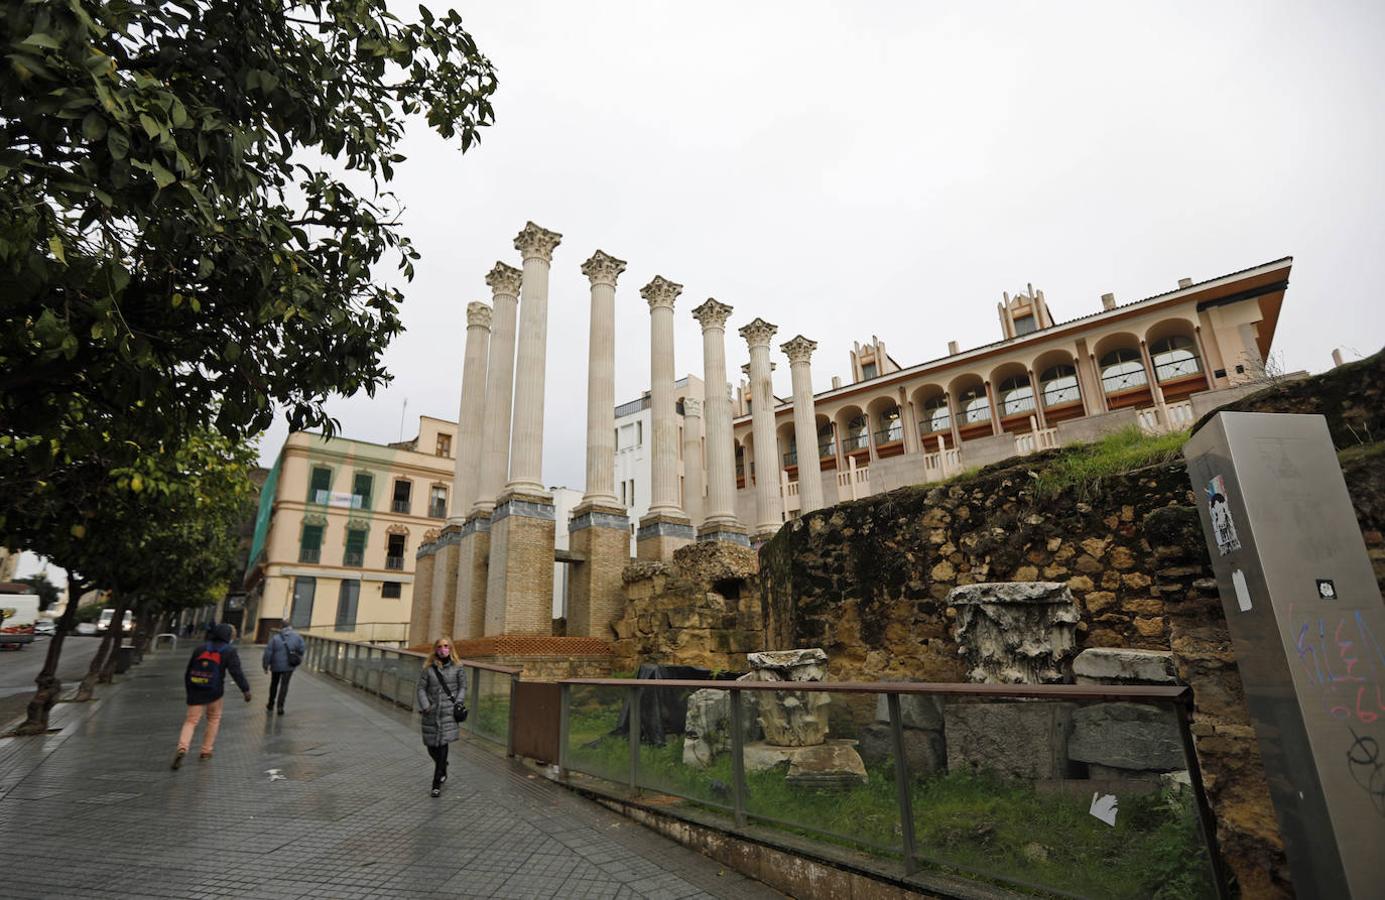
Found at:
(441, 689)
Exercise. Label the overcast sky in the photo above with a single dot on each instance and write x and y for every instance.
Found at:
(849, 169)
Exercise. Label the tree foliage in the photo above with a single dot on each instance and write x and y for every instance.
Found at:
(46, 590)
(175, 250)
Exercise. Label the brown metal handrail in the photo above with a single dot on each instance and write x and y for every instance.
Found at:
(1016, 691)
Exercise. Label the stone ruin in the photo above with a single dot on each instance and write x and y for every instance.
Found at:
(781, 727)
(1021, 632)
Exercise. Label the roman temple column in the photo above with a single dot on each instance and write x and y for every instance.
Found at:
(800, 353)
(693, 470)
(599, 530)
(500, 382)
(519, 582)
(462, 617)
(665, 528)
(719, 522)
(768, 514)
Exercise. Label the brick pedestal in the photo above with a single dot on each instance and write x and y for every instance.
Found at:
(596, 597)
(541, 658)
(519, 583)
(660, 534)
(421, 607)
(730, 534)
(444, 594)
(473, 566)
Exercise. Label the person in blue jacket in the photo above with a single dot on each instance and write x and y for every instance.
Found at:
(205, 683)
(282, 655)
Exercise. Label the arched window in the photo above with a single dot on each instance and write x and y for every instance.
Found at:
(891, 428)
(1174, 357)
(1016, 396)
(1122, 370)
(826, 448)
(857, 434)
(1059, 385)
(936, 416)
(974, 406)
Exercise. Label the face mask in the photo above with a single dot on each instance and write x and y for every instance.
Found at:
(443, 652)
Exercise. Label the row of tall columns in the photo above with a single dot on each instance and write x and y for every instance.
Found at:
(800, 354)
(466, 473)
(768, 512)
(666, 527)
(719, 521)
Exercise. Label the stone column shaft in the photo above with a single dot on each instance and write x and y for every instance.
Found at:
(603, 270)
(768, 512)
(720, 510)
(526, 440)
(799, 351)
(661, 294)
(500, 381)
(692, 459)
(466, 475)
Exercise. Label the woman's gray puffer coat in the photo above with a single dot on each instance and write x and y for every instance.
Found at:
(439, 727)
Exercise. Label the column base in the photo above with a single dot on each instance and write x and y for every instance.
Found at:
(519, 581)
(724, 532)
(600, 534)
(473, 566)
(660, 534)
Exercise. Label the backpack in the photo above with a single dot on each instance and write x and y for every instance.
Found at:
(206, 674)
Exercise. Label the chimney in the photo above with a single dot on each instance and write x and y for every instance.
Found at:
(1185, 282)
(836, 382)
(952, 349)
(1108, 301)
(1337, 357)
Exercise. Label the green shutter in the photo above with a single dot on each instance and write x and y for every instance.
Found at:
(361, 487)
(320, 485)
(312, 537)
(355, 541)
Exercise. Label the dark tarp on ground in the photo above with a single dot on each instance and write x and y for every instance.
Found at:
(664, 711)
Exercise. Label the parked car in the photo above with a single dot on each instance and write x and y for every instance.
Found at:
(45, 626)
(86, 628)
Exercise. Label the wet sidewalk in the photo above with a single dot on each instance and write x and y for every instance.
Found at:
(96, 808)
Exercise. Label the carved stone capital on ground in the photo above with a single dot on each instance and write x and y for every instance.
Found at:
(603, 268)
(758, 333)
(799, 350)
(534, 241)
(504, 279)
(661, 292)
(712, 314)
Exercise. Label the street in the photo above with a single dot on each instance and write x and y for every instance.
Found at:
(18, 668)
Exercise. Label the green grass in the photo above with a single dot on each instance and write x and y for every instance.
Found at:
(1361, 451)
(1083, 467)
(964, 824)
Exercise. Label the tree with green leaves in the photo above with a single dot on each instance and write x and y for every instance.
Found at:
(194, 214)
(47, 591)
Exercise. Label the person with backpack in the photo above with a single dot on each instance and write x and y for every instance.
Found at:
(441, 692)
(283, 654)
(205, 682)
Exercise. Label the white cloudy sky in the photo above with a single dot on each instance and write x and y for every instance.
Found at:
(849, 169)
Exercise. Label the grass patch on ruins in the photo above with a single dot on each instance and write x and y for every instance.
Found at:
(1083, 468)
(973, 826)
(1360, 452)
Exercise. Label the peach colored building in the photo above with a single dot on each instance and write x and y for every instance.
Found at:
(1156, 363)
(339, 526)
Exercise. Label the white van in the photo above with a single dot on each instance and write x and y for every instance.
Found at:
(19, 612)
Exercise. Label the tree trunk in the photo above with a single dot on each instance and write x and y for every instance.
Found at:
(107, 670)
(146, 626)
(87, 689)
(49, 687)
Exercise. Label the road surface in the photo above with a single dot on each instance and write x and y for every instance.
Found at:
(18, 668)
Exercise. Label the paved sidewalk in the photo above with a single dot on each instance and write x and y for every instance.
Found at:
(96, 809)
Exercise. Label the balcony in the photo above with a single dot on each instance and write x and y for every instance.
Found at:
(791, 458)
(1182, 368)
(827, 450)
(853, 442)
(309, 554)
(394, 562)
(353, 558)
(438, 509)
(890, 435)
(401, 506)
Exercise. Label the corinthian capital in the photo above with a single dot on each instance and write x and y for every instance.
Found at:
(478, 313)
(712, 314)
(799, 350)
(661, 292)
(504, 279)
(603, 268)
(535, 241)
(692, 407)
(759, 333)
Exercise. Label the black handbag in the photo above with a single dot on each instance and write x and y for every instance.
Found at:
(459, 710)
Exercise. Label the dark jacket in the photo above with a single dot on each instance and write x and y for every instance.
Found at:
(276, 652)
(218, 641)
(439, 726)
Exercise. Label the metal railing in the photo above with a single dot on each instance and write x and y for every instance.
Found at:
(890, 435)
(393, 675)
(309, 554)
(380, 633)
(437, 509)
(791, 458)
(394, 562)
(401, 506)
(932, 780)
(353, 558)
(855, 442)
(1181, 368)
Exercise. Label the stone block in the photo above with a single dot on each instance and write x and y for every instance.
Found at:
(917, 710)
(835, 766)
(925, 751)
(1112, 665)
(1126, 736)
(1012, 739)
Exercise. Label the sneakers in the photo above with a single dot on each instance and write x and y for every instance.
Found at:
(205, 755)
(269, 707)
(281, 710)
(178, 759)
(435, 792)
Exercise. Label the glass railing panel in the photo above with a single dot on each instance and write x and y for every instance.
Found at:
(685, 746)
(1077, 799)
(594, 745)
(490, 707)
(819, 764)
